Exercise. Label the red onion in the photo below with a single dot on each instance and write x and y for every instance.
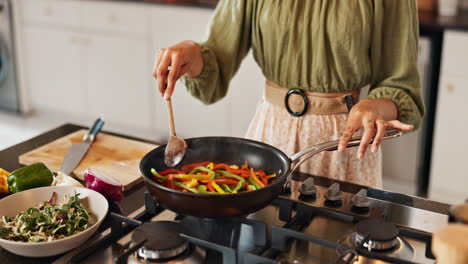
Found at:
(105, 185)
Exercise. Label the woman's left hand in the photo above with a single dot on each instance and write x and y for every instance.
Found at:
(375, 116)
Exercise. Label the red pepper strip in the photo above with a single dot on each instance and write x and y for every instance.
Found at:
(263, 177)
(245, 175)
(246, 186)
(222, 181)
(185, 190)
(221, 166)
(255, 178)
(189, 167)
(170, 171)
(210, 187)
(170, 182)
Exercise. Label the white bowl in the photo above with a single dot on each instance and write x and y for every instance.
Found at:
(14, 204)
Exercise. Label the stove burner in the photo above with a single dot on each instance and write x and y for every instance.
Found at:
(163, 240)
(380, 235)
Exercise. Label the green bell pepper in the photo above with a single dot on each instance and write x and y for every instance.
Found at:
(29, 177)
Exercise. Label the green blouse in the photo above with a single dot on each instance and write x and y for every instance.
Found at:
(317, 46)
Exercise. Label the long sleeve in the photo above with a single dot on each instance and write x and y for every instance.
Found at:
(228, 42)
(394, 54)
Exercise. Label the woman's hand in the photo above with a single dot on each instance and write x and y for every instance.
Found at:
(375, 116)
(175, 61)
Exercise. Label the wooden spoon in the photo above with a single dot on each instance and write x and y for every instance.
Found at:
(176, 147)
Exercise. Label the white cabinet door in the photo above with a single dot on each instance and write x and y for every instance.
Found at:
(192, 118)
(53, 68)
(117, 83)
(449, 177)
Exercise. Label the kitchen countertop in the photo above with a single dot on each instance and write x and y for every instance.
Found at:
(134, 198)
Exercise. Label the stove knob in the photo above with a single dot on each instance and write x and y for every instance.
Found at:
(307, 187)
(360, 201)
(334, 196)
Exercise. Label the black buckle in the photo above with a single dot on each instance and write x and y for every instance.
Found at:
(304, 97)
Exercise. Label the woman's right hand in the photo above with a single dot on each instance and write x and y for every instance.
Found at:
(173, 62)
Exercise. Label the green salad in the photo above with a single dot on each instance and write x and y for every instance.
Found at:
(47, 222)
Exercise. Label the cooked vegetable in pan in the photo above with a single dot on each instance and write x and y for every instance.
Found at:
(213, 178)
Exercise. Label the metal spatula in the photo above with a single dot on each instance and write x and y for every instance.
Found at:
(176, 147)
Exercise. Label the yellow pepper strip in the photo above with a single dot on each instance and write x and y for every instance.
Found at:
(234, 167)
(192, 183)
(210, 166)
(217, 188)
(271, 176)
(191, 176)
(3, 181)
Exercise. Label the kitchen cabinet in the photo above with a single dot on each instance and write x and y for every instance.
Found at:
(93, 64)
(116, 82)
(95, 58)
(448, 178)
(54, 59)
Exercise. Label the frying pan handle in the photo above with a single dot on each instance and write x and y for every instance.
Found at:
(304, 155)
(333, 145)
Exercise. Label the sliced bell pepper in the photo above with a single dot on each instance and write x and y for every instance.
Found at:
(252, 188)
(223, 166)
(203, 169)
(217, 188)
(238, 186)
(169, 182)
(191, 183)
(271, 176)
(191, 176)
(189, 167)
(234, 167)
(202, 189)
(3, 181)
(183, 186)
(210, 187)
(226, 188)
(245, 166)
(252, 182)
(170, 171)
(230, 175)
(263, 177)
(221, 181)
(255, 179)
(157, 175)
(210, 166)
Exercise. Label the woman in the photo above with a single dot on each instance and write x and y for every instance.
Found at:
(329, 50)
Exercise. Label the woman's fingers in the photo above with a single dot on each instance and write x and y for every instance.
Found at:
(345, 138)
(369, 130)
(174, 73)
(399, 125)
(162, 71)
(381, 127)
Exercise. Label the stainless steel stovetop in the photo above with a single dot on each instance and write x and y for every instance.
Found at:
(316, 222)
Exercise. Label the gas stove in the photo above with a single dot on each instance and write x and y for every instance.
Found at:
(318, 221)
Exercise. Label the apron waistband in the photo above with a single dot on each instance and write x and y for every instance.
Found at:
(298, 102)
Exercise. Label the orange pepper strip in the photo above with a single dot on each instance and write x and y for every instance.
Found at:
(255, 178)
(210, 187)
(245, 166)
(263, 177)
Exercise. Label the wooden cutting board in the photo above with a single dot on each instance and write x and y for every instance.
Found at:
(115, 156)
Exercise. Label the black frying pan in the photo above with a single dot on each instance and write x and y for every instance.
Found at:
(231, 151)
